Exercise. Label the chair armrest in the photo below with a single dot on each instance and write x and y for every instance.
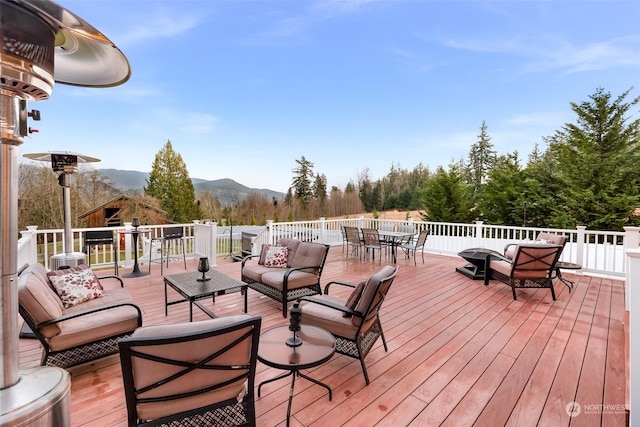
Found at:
(118, 278)
(91, 311)
(292, 269)
(333, 305)
(326, 287)
(247, 258)
(498, 257)
(507, 246)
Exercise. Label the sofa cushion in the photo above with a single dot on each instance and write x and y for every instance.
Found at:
(328, 318)
(38, 299)
(254, 272)
(308, 254)
(292, 246)
(352, 301)
(95, 326)
(276, 256)
(297, 279)
(369, 291)
(76, 287)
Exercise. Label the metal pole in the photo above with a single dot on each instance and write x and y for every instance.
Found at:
(8, 264)
(66, 200)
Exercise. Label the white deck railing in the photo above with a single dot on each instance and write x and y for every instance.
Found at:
(600, 252)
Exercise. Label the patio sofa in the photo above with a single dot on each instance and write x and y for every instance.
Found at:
(287, 271)
(73, 330)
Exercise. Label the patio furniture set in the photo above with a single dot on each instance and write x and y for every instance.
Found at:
(365, 240)
(204, 371)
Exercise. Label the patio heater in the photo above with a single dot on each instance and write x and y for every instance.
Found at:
(35, 34)
(64, 164)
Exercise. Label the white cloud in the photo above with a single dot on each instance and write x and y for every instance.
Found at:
(544, 54)
(160, 24)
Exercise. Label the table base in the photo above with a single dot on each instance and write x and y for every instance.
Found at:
(293, 374)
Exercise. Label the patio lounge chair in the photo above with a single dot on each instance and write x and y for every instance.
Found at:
(199, 373)
(355, 322)
(532, 266)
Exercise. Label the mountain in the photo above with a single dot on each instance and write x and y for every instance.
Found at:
(226, 190)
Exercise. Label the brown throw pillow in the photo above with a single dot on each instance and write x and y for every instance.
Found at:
(352, 301)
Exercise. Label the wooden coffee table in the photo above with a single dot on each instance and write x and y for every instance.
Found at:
(187, 285)
(318, 346)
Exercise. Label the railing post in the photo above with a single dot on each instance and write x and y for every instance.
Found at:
(361, 222)
(580, 244)
(213, 243)
(128, 262)
(631, 242)
(269, 237)
(477, 234)
(29, 255)
(322, 229)
(632, 303)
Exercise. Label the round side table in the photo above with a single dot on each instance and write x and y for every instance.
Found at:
(318, 346)
(561, 265)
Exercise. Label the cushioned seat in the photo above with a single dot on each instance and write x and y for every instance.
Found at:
(354, 322)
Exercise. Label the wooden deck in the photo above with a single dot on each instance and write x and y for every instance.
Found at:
(459, 353)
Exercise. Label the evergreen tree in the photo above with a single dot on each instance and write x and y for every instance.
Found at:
(503, 200)
(447, 198)
(597, 159)
(320, 188)
(169, 182)
(482, 159)
(302, 180)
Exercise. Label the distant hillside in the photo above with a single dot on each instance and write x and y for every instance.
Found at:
(226, 190)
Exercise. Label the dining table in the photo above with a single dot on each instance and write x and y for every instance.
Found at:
(394, 239)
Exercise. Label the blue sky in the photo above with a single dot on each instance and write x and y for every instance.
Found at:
(244, 88)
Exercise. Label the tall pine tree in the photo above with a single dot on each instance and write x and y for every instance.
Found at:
(170, 184)
(597, 158)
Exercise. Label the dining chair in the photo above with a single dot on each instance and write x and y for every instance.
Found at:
(417, 246)
(372, 242)
(353, 239)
